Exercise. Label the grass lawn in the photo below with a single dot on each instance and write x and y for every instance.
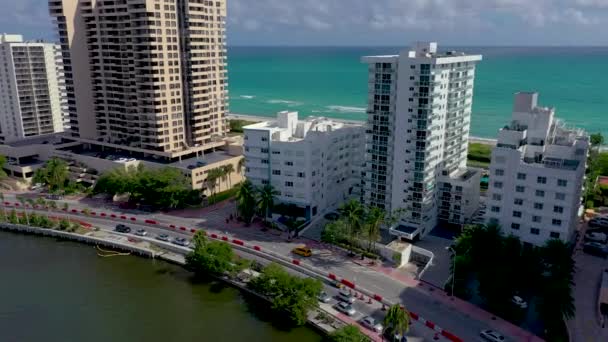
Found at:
(224, 195)
(479, 155)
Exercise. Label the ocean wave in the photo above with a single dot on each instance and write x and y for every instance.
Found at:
(346, 109)
(247, 97)
(285, 102)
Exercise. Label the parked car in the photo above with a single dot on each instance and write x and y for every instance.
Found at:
(598, 222)
(346, 296)
(371, 323)
(37, 186)
(303, 251)
(54, 197)
(595, 248)
(324, 297)
(519, 302)
(181, 241)
(162, 237)
(345, 308)
(141, 232)
(492, 336)
(121, 228)
(595, 236)
(337, 284)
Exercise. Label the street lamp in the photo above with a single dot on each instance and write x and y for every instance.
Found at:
(450, 249)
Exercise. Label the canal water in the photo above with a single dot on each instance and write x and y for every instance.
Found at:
(54, 290)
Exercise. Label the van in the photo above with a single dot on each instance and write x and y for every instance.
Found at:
(303, 251)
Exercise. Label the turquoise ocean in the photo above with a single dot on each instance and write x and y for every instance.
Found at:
(331, 82)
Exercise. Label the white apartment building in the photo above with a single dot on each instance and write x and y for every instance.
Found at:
(32, 93)
(419, 109)
(314, 164)
(537, 174)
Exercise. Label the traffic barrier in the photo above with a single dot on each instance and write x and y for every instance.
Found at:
(182, 228)
(430, 324)
(102, 214)
(257, 248)
(74, 210)
(150, 221)
(331, 276)
(113, 216)
(451, 336)
(214, 236)
(123, 217)
(295, 262)
(93, 213)
(133, 219)
(172, 226)
(238, 242)
(192, 230)
(414, 316)
(225, 238)
(378, 297)
(348, 283)
(17, 204)
(7, 203)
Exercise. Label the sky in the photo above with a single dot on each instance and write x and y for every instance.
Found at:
(380, 22)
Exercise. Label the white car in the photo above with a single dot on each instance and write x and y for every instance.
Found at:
(141, 232)
(346, 296)
(519, 302)
(492, 336)
(345, 308)
(371, 324)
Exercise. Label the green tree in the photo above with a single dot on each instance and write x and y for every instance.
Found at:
(597, 139)
(2, 200)
(241, 166)
(209, 257)
(374, 219)
(23, 201)
(54, 174)
(266, 199)
(397, 320)
(2, 163)
(212, 179)
(349, 333)
(246, 201)
(229, 170)
(353, 214)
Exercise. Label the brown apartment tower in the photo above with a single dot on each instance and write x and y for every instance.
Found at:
(145, 75)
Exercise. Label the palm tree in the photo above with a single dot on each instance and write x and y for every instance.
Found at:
(240, 166)
(3, 208)
(212, 178)
(352, 211)
(397, 320)
(229, 169)
(223, 175)
(23, 201)
(266, 199)
(374, 218)
(246, 200)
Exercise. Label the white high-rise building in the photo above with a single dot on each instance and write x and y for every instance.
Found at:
(314, 164)
(419, 110)
(32, 93)
(537, 174)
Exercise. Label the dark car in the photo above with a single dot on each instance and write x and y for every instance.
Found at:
(121, 228)
(595, 248)
(598, 222)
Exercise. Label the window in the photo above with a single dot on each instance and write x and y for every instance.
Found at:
(538, 206)
(520, 188)
(499, 172)
(495, 209)
(264, 161)
(276, 152)
(289, 184)
(562, 182)
(265, 181)
(515, 226)
(516, 213)
(558, 209)
(556, 222)
(496, 197)
(288, 163)
(276, 172)
(264, 150)
(301, 174)
(264, 138)
(560, 196)
(554, 235)
(541, 180)
(540, 193)
(536, 219)
(498, 185)
(521, 176)
(534, 231)
(518, 201)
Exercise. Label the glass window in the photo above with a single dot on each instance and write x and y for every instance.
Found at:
(536, 219)
(516, 213)
(521, 176)
(554, 235)
(515, 226)
(276, 172)
(499, 172)
(562, 182)
(556, 222)
(560, 196)
(495, 209)
(498, 185)
(289, 184)
(534, 231)
(497, 197)
(541, 180)
(538, 206)
(540, 193)
(520, 188)
(518, 201)
(558, 209)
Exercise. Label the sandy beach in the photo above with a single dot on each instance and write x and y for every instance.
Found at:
(234, 116)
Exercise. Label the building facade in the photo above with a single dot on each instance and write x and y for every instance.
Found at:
(145, 75)
(419, 109)
(314, 164)
(32, 93)
(537, 174)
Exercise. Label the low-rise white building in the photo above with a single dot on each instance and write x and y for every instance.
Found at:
(537, 174)
(313, 163)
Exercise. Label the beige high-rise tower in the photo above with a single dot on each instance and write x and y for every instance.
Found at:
(145, 75)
